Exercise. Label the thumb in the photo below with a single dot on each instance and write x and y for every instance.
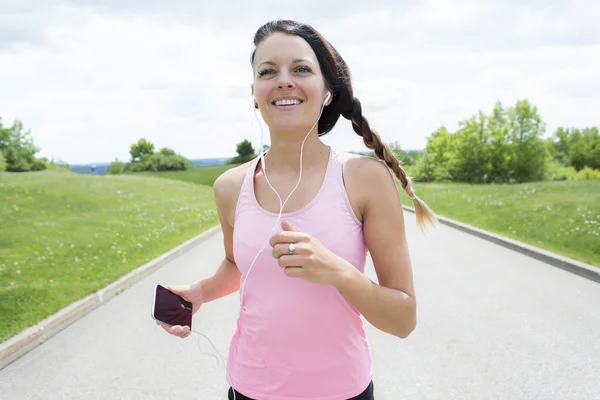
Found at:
(176, 289)
(287, 227)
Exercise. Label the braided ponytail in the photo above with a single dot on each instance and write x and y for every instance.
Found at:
(373, 141)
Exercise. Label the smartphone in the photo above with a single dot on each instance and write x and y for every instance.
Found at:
(171, 308)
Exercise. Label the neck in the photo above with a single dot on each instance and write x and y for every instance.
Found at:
(284, 153)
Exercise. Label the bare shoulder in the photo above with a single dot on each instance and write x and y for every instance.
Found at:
(364, 178)
(227, 188)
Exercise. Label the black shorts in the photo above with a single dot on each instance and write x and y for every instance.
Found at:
(366, 395)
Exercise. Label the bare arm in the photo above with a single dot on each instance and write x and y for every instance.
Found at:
(226, 279)
(390, 305)
(224, 282)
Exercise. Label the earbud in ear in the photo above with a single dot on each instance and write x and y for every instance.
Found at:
(327, 97)
(255, 103)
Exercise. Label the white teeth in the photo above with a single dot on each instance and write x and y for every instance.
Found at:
(287, 102)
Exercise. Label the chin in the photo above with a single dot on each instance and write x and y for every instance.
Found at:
(290, 125)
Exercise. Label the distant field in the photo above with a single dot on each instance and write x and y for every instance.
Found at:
(201, 175)
(65, 235)
(561, 216)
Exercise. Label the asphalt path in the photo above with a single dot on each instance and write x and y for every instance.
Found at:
(492, 324)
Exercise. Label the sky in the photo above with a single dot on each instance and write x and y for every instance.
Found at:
(88, 78)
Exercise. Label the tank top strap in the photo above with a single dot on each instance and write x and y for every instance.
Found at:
(246, 191)
(334, 174)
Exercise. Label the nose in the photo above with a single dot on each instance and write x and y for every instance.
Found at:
(285, 81)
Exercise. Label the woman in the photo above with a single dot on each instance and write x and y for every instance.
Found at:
(299, 334)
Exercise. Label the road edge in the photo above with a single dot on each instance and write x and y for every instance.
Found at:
(568, 264)
(28, 339)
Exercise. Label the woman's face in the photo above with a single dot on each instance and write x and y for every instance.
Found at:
(288, 84)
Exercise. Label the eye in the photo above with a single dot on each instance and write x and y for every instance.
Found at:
(304, 68)
(265, 71)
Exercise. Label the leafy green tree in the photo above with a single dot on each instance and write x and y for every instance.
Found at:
(578, 148)
(141, 150)
(527, 150)
(18, 149)
(433, 164)
(498, 151)
(143, 158)
(504, 146)
(245, 153)
(469, 161)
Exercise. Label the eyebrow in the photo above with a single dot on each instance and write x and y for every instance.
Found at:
(294, 61)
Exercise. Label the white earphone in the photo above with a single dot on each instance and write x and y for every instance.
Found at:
(281, 205)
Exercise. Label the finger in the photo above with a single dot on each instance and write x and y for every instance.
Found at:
(293, 272)
(287, 237)
(286, 226)
(287, 260)
(281, 249)
(178, 330)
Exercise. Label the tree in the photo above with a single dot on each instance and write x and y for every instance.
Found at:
(577, 148)
(143, 158)
(245, 153)
(504, 146)
(18, 149)
(528, 152)
(498, 151)
(141, 150)
(470, 161)
(2, 163)
(433, 165)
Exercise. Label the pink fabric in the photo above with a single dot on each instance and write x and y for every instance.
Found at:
(297, 340)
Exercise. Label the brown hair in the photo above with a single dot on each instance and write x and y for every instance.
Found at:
(337, 79)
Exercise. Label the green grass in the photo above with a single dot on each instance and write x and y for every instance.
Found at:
(63, 236)
(561, 216)
(201, 175)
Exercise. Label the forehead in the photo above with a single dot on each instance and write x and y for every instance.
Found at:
(282, 48)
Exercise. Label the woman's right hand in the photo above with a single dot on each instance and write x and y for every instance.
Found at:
(193, 294)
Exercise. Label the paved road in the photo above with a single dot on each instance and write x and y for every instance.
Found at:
(493, 324)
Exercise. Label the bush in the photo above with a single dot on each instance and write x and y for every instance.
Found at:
(2, 162)
(160, 162)
(39, 164)
(116, 168)
(558, 172)
(588, 173)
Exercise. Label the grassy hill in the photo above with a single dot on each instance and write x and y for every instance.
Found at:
(66, 235)
(201, 175)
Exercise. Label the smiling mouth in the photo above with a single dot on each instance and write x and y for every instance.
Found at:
(283, 103)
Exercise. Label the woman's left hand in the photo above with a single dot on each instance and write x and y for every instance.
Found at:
(311, 260)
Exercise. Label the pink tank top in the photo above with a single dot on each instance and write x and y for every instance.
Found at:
(296, 340)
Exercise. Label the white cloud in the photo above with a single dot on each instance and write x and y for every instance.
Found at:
(90, 80)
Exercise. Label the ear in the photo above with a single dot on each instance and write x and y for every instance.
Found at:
(253, 98)
(330, 99)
